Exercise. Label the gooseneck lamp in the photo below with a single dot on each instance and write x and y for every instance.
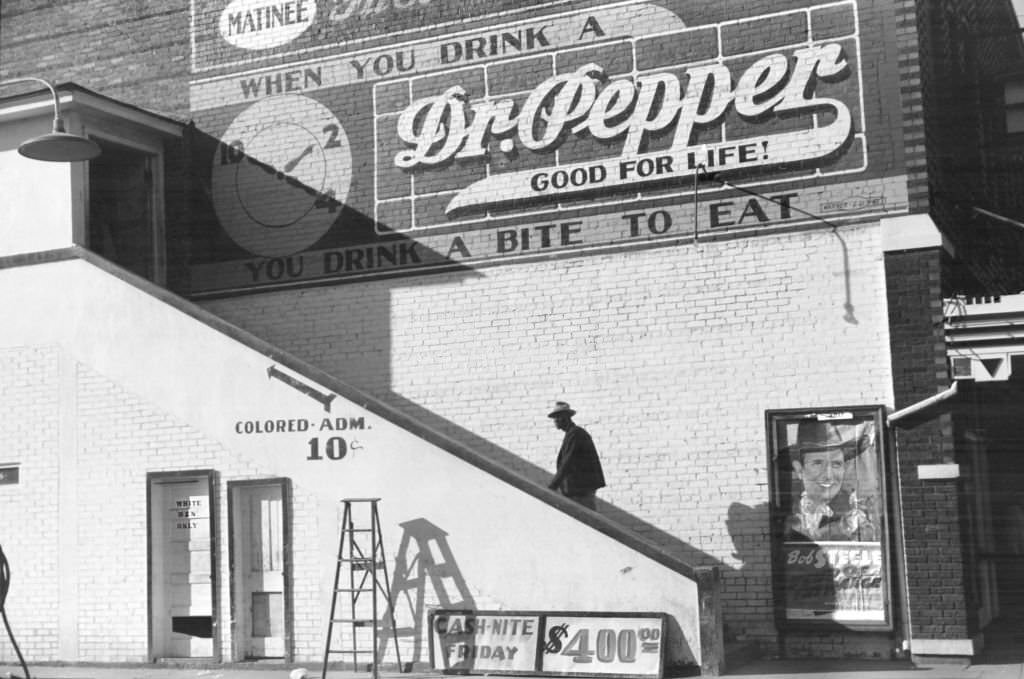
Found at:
(57, 146)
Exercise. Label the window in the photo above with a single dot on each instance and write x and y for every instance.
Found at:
(123, 221)
(1013, 99)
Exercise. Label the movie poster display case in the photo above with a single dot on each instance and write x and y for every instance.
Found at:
(829, 517)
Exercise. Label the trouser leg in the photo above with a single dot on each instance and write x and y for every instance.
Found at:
(588, 500)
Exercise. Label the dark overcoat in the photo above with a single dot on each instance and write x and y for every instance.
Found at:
(579, 467)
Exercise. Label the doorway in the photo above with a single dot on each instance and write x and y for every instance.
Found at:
(259, 517)
(1001, 562)
(181, 581)
(125, 223)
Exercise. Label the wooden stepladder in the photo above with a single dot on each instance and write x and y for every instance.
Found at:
(355, 603)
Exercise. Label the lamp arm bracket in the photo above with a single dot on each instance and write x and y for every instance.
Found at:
(58, 123)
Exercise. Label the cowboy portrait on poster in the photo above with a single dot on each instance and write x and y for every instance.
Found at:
(830, 504)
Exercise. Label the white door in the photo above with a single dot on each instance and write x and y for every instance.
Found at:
(181, 580)
(259, 570)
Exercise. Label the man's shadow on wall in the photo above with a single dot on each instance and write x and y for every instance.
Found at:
(540, 476)
(798, 571)
(750, 530)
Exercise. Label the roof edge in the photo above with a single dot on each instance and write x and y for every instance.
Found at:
(39, 101)
(913, 232)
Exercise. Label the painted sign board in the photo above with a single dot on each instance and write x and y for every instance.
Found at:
(600, 645)
(190, 513)
(484, 641)
(524, 134)
(245, 32)
(539, 643)
(319, 439)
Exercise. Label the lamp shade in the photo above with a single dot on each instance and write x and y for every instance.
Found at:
(59, 147)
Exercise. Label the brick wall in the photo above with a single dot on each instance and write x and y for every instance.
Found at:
(910, 76)
(119, 438)
(954, 55)
(956, 160)
(937, 587)
(122, 415)
(134, 51)
(671, 357)
(30, 522)
(122, 439)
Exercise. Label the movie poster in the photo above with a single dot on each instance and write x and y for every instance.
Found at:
(829, 516)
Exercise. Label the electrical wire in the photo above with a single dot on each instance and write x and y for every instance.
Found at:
(848, 308)
(5, 585)
(703, 173)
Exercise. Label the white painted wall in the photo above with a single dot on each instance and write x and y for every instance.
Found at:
(156, 390)
(671, 356)
(36, 209)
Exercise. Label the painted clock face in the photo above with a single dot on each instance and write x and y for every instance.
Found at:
(281, 175)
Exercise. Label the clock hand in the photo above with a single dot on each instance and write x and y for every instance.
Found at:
(282, 174)
(292, 181)
(292, 163)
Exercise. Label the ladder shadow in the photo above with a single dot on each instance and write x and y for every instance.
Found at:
(424, 561)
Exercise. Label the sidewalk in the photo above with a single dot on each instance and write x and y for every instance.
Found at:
(871, 669)
(757, 669)
(157, 671)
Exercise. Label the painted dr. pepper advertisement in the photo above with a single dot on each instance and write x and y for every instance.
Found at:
(525, 131)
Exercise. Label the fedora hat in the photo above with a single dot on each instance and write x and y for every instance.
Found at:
(817, 436)
(561, 408)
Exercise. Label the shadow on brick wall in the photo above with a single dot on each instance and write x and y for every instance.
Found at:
(534, 474)
(257, 222)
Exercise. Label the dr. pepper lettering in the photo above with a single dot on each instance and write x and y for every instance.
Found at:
(345, 9)
(445, 126)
